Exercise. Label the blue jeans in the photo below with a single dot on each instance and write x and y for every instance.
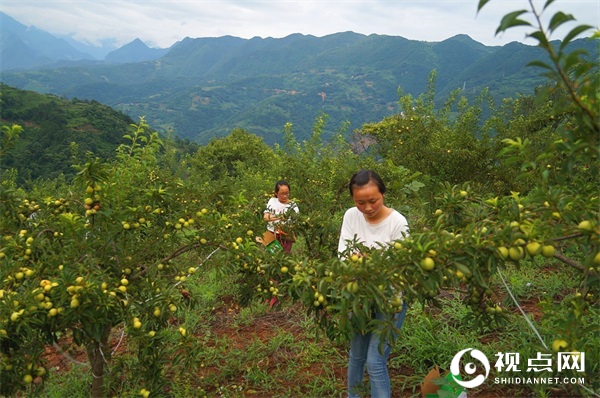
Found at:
(364, 352)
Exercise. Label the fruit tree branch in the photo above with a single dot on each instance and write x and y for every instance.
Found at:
(568, 261)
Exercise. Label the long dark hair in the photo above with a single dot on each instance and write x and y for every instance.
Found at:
(363, 177)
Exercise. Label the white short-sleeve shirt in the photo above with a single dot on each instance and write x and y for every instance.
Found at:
(394, 227)
(275, 207)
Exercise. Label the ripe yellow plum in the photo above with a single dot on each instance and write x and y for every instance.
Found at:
(427, 264)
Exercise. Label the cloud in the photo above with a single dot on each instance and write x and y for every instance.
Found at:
(160, 23)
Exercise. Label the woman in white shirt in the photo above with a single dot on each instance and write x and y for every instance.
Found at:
(373, 224)
(275, 214)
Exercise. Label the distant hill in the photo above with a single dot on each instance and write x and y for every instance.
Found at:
(51, 126)
(205, 87)
(58, 133)
(99, 51)
(136, 51)
(23, 47)
(27, 47)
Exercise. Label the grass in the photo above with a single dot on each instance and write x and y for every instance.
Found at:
(536, 279)
(255, 351)
(75, 381)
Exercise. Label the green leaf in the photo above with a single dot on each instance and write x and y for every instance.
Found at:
(463, 268)
(558, 19)
(571, 60)
(511, 20)
(540, 64)
(548, 3)
(481, 4)
(574, 33)
(541, 38)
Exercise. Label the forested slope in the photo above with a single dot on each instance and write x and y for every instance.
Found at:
(57, 131)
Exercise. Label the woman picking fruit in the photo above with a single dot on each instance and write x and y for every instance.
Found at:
(276, 213)
(372, 224)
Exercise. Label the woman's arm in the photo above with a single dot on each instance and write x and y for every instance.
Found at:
(269, 213)
(346, 234)
(401, 229)
(270, 217)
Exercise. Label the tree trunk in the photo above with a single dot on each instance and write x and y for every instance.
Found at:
(99, 354)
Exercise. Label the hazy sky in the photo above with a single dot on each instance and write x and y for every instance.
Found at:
(160, 23)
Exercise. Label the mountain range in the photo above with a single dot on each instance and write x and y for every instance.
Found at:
(27, 47)
(201, 88)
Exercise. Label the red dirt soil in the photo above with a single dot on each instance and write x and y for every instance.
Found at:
(262, 328)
